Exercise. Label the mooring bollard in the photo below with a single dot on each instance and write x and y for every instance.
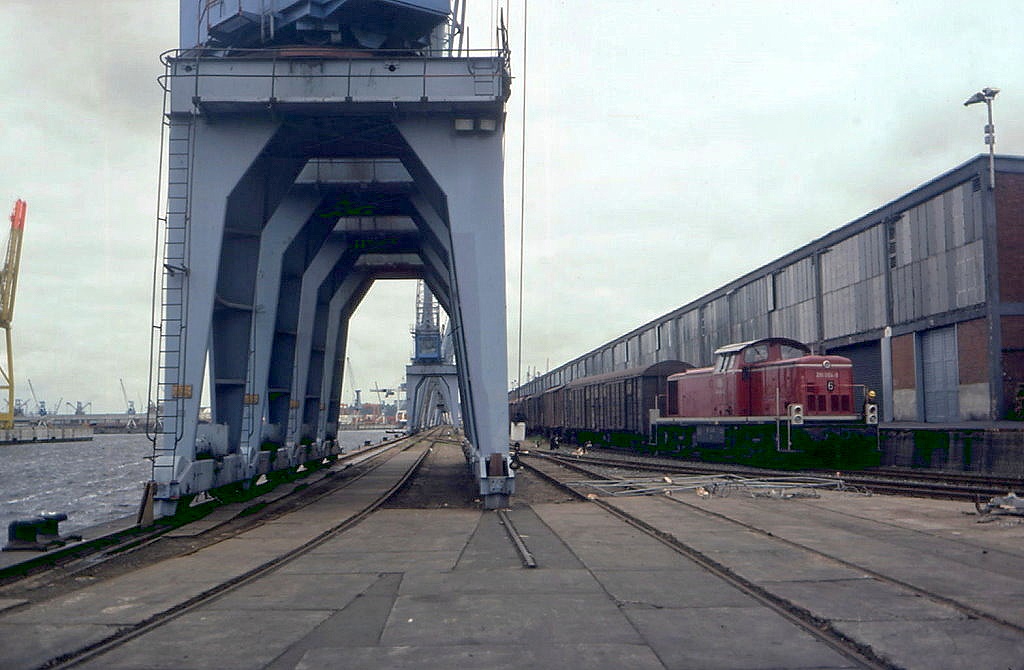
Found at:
(34, 534)
(48, 526)
(21, 534)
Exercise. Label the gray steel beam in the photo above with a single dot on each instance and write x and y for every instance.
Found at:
(287, 221)
(259, 191)
(343, 303)
(467, 170)
(220, 155)
(322, 266)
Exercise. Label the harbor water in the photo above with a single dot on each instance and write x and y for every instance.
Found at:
(93, 481)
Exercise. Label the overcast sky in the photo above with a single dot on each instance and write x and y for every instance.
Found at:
(670, 147)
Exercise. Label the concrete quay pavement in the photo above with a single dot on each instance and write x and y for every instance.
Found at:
(444, 587)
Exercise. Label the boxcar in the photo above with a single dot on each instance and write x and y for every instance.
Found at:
(611, 408)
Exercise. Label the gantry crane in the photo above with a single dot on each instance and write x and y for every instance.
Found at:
(8, 287)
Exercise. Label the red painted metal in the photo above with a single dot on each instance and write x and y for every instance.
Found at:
(761, 380)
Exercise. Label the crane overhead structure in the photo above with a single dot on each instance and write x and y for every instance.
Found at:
(8, 286)
(79, 407)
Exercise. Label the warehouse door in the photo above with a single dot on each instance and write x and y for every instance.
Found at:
(867, 369)
(939, 375)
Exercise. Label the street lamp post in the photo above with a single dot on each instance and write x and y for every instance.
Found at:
(986, 95)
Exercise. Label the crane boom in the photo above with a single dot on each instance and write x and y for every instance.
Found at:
(12, 261)
(8, 289)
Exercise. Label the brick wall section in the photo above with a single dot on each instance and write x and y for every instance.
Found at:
(972, 349)
(1010, 235)
(903, 371)
(1013, 365)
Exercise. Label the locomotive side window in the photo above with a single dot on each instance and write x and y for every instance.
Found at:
(756, 353)
(725, 362)
(787, 352)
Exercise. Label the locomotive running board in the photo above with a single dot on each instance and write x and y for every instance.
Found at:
(729, 420)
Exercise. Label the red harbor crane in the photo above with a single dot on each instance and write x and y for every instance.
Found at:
(8, 286)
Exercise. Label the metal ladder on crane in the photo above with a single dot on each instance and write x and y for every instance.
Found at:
(165, 415)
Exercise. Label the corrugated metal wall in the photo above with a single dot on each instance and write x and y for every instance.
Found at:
(795, 289)
(853, 284)
(938, 263)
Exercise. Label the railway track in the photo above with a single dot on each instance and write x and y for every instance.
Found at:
(574, 474)
(888, 481)
(124, 634)
(564, 473)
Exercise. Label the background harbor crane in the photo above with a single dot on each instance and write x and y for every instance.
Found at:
(129, 407)
(40, 404)
(8, 288)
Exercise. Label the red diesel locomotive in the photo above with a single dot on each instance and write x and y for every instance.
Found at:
(769, 402)
(761, 380)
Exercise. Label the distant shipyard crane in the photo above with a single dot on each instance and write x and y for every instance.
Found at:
(40, 405)
(352, 383)
(8, 286)
(130, 405)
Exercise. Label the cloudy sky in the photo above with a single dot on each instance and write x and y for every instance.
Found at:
(670, 147)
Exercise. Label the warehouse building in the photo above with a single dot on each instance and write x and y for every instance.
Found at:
(925, 294)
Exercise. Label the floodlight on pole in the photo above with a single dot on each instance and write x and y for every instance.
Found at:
(986, 95)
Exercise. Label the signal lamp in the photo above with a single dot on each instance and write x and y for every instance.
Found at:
(871, 414)
(796, 414)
